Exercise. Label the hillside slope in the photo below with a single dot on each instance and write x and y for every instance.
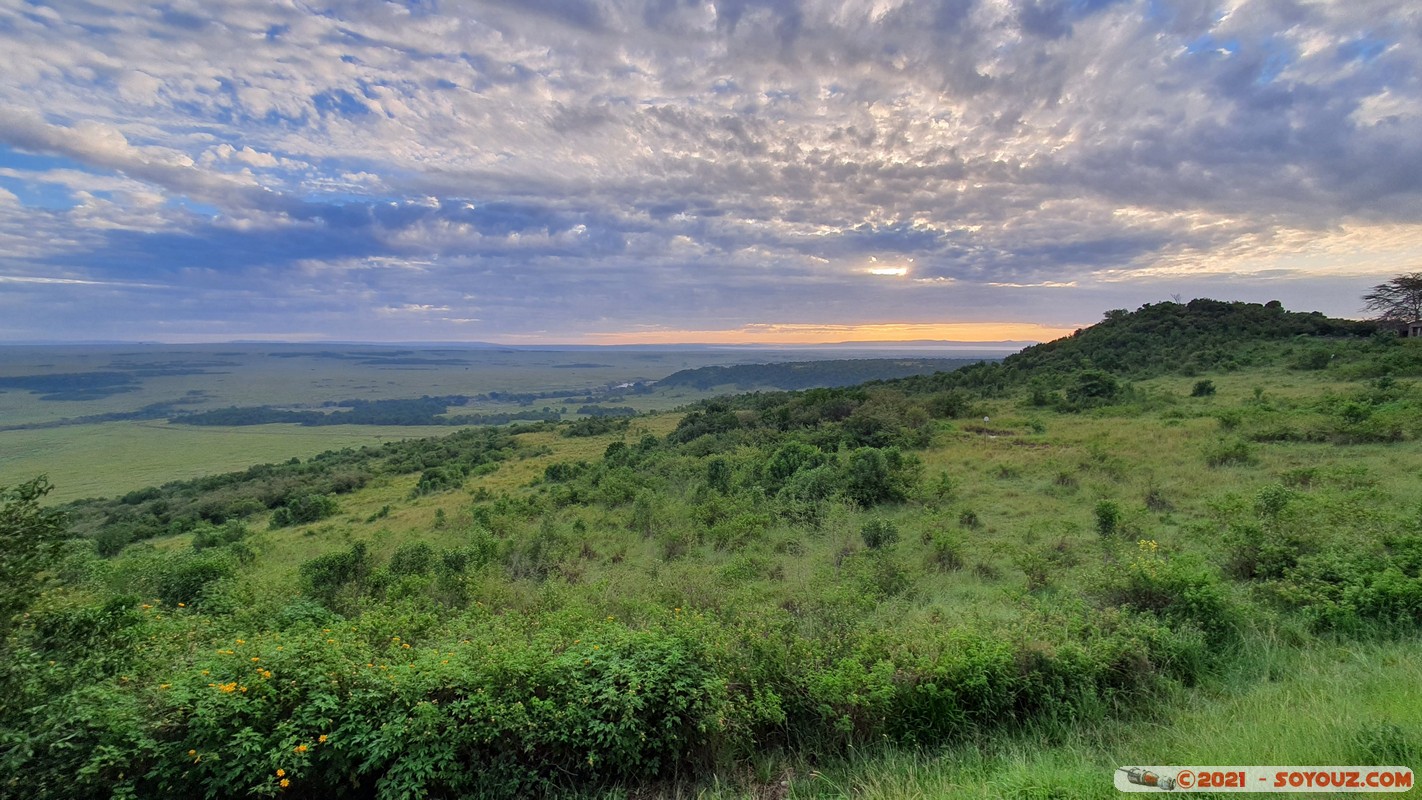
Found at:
(737, 595)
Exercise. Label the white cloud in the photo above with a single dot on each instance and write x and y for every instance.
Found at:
(742, 154)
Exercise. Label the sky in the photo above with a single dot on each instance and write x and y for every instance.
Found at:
(600, 171)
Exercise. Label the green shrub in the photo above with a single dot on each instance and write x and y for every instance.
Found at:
(206, 536)
(1176, 591)
(1271, 501)
(879, 534)
(1108, 517)
(1093, 388)
(540, 554)
(1357, 591)
(30, 540)
(439, 479)
(304, 509)
(949, 405)
(812, 485)
(112, 539)
(944, 552)
(1205, 388)
(878, 574)
(1312, 358)
(1229, 453)
(187, 577)
(1256, 552)
(874, 475)
(330, 576)
(412, 558)
(718, 475)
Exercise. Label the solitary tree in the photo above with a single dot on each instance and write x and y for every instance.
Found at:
(1398, 300)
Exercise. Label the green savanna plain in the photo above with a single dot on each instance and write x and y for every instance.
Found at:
(986, 584)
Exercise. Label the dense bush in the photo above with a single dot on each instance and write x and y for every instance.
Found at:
(439, 479)
(327, 578)
(879, 534)
(1178, 592)
(304, 509)
(30, 540)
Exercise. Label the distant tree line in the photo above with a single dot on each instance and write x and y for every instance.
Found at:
(809, 374)
(418, 411)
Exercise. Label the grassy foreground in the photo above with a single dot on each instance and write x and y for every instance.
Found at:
(973, 585)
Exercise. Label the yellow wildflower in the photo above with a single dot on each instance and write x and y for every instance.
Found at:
(281, 773)
(285, 782)
(301, 748)
(321, 738)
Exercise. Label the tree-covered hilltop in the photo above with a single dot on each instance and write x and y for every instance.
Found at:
(1174, 337)
(1182, 339)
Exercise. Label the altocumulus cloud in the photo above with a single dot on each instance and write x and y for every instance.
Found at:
(590, 168)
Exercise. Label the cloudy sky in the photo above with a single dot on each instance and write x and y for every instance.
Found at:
(679, 170)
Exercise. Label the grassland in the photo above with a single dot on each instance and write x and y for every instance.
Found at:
(106, 457)
(1283, 705)
(112, 458)
(911, 590)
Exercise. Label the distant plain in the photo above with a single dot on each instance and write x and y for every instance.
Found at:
(92, 437)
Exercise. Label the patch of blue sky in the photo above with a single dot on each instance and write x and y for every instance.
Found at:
(35, 192)
(142, 254)
(1364, 49)
(1274, 64)
(1160, 12)
(34, 162)
(194, 206)
(1209, 45)
(340, 102)
(32, 194)
(1082, 8)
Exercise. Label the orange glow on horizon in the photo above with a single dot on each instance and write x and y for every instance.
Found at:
(792, 334)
